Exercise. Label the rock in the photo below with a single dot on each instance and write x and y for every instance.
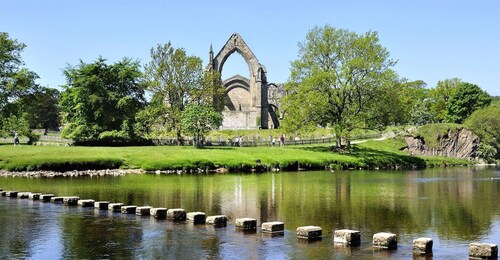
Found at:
(128, 209)
(23, 195)
(459, 143)
(246, 223)
(274, 227)
(346, 236)
(217, 220)
(86, 203)
(158, 213)
(483, 250)
(57, 200)
(197, 217)
(422, 246)
(102, 205)
(12, 194)
(35, 196)
(46, 197)
(71, 200)
(309, 232)
(176, 214)
(385, 240)
(143, 211)
(115, 207)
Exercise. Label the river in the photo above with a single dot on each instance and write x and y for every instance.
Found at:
(453, 206)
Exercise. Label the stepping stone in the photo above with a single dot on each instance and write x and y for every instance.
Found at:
(483, 250)
(422, 246)
(143, 211)
(274, 227)
(46, 197)
(57, 200)
(102, 205)
(385, 240)
(3, 193)
(71, 200)
(176, 214)
(158, 213)
(346, 236)
(217, 220)
(246, 223)
(309, 232)
(34, 196)
(115, 207)
(23, 195)
(197, 217)
(86, 203)
(12, 194)
(128, 209)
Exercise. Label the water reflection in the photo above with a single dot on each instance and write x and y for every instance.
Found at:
(454, 206)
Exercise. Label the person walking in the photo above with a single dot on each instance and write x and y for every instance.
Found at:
(16, 139)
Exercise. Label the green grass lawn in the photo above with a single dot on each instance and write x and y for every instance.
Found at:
(366, 155)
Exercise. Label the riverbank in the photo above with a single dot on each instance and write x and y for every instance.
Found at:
(384, 154)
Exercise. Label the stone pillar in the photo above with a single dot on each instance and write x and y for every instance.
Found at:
(196, 217)
(385, 240)
(246, 223)
(217, 220)
(346, 236)
(143, 211)
(12, 194)
(274, 227)
(35, 196)
(422, 246)
(128, 209)
(23, 195)
(46, 197)
(57, 200)
(102, 205)
(483, 250)
(158, 213)
(71, 200)
(176, 214)
(309, 232)
(86, 203)
(115, 207)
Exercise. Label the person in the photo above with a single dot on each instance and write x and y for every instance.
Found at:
(16, 139)
(240, 141)
(273, 141)
(282, 140)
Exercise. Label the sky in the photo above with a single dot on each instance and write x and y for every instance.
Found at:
(432, 40)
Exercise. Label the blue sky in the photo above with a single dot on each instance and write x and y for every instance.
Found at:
(431, 39)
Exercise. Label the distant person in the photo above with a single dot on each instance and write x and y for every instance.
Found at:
(240, 141)
(16, 139)
(273, 141)
(282, 140)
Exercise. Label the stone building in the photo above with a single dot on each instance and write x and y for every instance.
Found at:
(250, 103)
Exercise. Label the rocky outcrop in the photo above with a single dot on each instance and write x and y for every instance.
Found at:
(457, 143)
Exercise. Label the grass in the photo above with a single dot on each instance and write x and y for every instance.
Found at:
(371, 154)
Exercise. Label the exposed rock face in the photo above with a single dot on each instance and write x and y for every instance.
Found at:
(460, 143)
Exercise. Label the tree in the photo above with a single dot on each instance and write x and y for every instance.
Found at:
(100, 101)
(198, 120)
(41, 108)
(337, 76)
(175, 77)
(15, 80)
(485, 123)
(467, 99)
(440, 96)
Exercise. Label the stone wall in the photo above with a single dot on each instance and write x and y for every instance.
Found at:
(239, 120)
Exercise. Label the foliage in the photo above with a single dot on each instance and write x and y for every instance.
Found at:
(440, 96)
(20, 125)
(334, 81)
(485, 123)
(213, 92)
(198, 120)
(431, 132)
(175, 78)
(100, 101)
(467, 99)
(41, 108)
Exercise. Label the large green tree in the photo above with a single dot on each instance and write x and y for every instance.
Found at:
(15, 80)
(173, 77)
(100, 100)
(440, 96)
(485, 123)
(467, 99)
(335, 80)
(198, 120)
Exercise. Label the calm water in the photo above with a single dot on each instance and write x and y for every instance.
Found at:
(454, 206)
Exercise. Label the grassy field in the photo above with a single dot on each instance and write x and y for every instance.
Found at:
(371, 154)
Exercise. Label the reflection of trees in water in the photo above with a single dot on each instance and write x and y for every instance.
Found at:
(92, 237)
